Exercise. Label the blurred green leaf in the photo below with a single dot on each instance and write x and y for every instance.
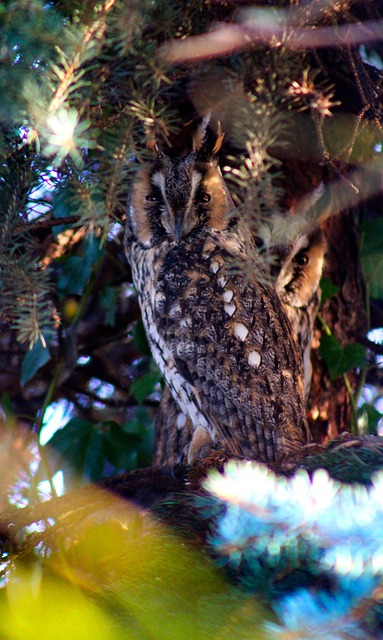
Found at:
(140, 340)
(33, 360)
(75, 270)
(372, 255)
(138, 423)
(141, 426)
(72, 278)
(94, 459)
(6, 405)
(328, 289)
(340, 359)
(109, 304)
(368, 418)
(38, 606)
(72, 442)
(120, 448)
(92, 449)
(161, 587)
(125, 576)
(330, 350)
(62, 208)
(354, 356)
(372, 236)
(373, 272)
(144, 385)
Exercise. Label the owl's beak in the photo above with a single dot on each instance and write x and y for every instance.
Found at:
(178, 226)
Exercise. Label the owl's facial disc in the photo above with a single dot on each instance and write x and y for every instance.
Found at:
(177, 181)
(192, 195)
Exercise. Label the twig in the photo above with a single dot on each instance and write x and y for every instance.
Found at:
(47, 224)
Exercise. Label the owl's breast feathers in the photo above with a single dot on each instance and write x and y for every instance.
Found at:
(215, 321)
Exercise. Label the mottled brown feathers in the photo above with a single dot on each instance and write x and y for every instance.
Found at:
(215, 324)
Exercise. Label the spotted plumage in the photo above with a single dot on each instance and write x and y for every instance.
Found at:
(294, 248)
(214, 322)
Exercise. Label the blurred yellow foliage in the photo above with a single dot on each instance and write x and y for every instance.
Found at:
(114, 572)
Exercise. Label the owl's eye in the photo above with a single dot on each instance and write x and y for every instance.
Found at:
(259, 243)
(301, 259)
(202, 198)
(152, 197)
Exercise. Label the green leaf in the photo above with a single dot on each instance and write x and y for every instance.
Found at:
(73, 442)
(140, 340)
(330, 350)
(6, 405)
(109, 304)
(354, 356)
(144, 385)
(141, 425)
(372, 255)
(75, 270)
(372, 265)
(328, 289)
(73, 277)
(33, 360)
(62, 208)
(94, 460)
(120, 448)
(368, 418)
(138, 423)
(372, 236)
(340, 359)
(88, 448)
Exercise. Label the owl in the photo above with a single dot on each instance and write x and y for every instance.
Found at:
(293, 249)
(214, 322)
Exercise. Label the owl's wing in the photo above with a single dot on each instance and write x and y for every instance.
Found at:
(173, 432)
(232, 343)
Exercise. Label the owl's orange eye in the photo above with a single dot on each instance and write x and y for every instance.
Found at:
(202, 198)
(301, 259)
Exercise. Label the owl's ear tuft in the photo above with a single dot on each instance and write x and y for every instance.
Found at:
(196, 137)
(152, 146)
(152, 143)
(206, 143)
(200, 135)
(219, 140)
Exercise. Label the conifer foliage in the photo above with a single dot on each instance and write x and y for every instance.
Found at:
(85, 86)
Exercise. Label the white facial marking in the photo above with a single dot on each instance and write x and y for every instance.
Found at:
(158, 179)
(195, 181)
(228, 295)
(230, 309)
(301, 243)
(214, 266)
(240, 331)
(254, 359)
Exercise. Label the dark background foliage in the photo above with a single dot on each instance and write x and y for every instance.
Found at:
(84, 86)
(297, 88)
